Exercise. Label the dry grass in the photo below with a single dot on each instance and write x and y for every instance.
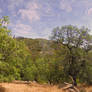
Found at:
(89, 89)
(32, 87)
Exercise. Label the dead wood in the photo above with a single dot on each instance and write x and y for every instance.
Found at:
(70, 87)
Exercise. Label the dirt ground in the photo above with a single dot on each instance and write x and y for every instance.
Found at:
(32, 87)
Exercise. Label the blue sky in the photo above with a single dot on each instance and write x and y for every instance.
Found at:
(37, 18)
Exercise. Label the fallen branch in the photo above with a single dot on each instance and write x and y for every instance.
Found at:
(70, 87)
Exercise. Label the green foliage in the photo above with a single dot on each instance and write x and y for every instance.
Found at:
(12, 55)
(46, 61)
(77, 43)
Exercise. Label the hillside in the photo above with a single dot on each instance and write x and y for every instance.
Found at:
(38, 47)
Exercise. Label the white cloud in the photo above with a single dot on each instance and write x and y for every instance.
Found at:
(32, 5)
(46, 33)
(30, 12)
(23, 30)
(20, 29)
(0, 10)
(90, 11)
(86, 21)
(13, 4)
(66, 5)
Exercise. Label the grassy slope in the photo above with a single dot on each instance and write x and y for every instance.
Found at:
(38, 47)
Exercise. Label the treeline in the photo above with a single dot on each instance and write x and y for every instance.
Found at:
(67, 53)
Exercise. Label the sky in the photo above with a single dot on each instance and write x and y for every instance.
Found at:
(37, 18)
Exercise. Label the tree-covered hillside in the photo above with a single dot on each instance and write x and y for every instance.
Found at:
(66, 55)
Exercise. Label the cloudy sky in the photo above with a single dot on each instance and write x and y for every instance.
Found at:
(37, 18)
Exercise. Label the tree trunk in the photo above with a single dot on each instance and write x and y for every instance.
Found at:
(74, 81)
